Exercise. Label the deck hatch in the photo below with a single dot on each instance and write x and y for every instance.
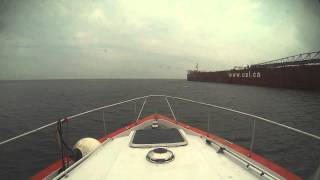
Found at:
(157, 137)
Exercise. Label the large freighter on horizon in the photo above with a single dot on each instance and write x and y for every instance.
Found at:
(300, 71)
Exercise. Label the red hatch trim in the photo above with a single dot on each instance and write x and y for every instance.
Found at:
(270, 165)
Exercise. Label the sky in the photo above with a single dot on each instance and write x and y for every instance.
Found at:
(58, 39)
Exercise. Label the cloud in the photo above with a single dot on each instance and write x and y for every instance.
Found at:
(308, 24)
(121, 39)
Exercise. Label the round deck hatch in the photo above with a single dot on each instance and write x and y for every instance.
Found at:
(160, 155)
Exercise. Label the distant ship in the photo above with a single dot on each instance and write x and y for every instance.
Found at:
(300, 71)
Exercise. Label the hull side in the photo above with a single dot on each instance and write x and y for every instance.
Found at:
(293, 77)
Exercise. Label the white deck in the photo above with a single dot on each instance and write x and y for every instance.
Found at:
(197, 160)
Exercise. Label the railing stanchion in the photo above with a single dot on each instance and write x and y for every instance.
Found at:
(134, 109)
(104, 123)
(144, 102)
(253, 135)
(172, 113)
(175, 104)
(208, 124)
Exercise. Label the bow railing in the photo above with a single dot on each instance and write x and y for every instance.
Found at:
(256, 118)
(172, 107)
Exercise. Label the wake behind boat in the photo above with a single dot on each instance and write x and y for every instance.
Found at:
(161, 147)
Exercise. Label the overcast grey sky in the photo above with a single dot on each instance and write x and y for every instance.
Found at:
(41, 39)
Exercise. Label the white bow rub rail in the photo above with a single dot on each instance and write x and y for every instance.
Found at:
(173, 115)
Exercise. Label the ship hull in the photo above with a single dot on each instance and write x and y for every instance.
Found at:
(293, 77)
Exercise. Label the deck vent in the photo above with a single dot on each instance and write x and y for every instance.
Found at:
(160, 155)
(155, 125)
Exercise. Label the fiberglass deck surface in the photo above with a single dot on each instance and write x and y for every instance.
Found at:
(197, 160)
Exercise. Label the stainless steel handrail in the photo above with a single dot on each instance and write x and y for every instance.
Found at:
(166, 98)
(250, 115)
(68, 118)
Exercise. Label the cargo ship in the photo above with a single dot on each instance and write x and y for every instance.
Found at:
(300, 71)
